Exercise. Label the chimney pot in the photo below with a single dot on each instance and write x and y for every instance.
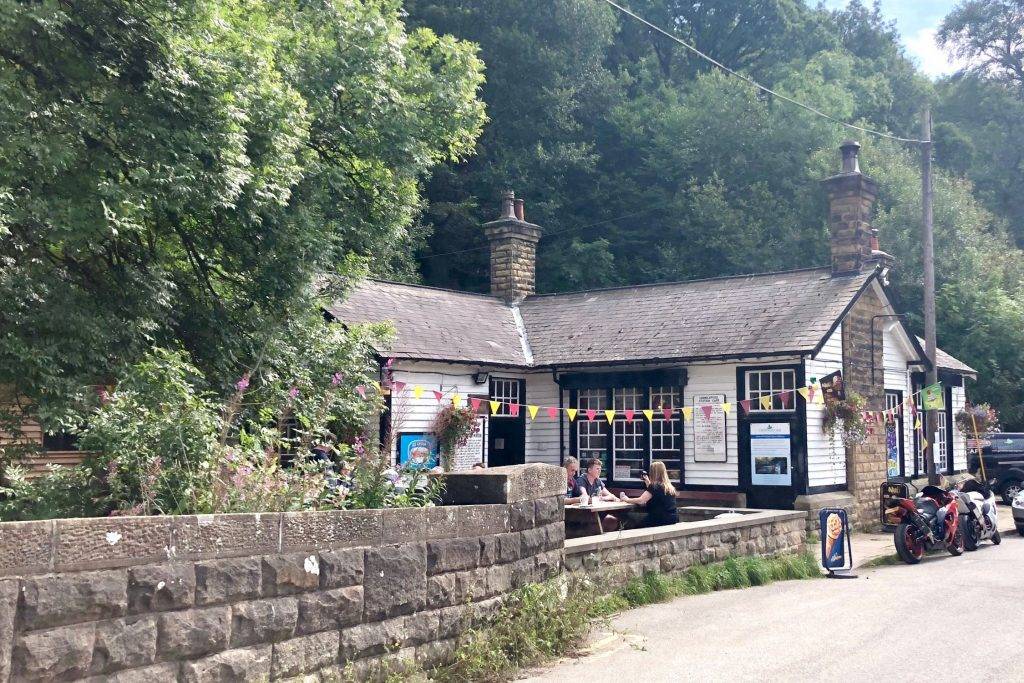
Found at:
(508, 199)
(520, 212)
(850, 150)
(874, 240)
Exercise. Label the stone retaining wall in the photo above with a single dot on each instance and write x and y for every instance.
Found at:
(613, 559)
(271, 596)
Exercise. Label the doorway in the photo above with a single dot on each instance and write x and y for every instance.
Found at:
(506, 434)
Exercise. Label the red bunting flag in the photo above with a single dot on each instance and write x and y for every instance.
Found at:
(591, 414)
(438, 395)
(667, 412)
(706, 409)
(475, 404)
(361, 390)
(810, 394)
(784, 397)
(629, 415)
(513, 409)
(398, 387)
(552, 413)
(745, 404)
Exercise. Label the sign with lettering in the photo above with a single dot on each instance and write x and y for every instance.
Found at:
(770, 454)
(709, 428)
(473, 451)
(832, 388)
(890, 491)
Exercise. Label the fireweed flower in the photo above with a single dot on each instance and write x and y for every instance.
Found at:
(293, 392)
(336, 379)
(243, 383)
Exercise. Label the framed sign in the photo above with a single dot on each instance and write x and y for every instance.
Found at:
(709, 435)
(770, 454)
(891, 490)
(836, 545)
(417, 451)
(832, 387)
(474, 450)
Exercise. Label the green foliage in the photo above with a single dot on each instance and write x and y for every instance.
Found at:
(847, 418)
(179, 173)
(61, 492)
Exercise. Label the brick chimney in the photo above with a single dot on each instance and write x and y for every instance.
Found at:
(513, 251)
(851, 197)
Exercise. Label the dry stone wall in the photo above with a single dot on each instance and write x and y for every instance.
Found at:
(272, 596)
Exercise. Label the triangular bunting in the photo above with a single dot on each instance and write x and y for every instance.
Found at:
(417, 391)
(456, 399)
(726, 407)
(398, 387)
(687, 414)
(924, 442)
(707, 409)
(438, 395)
(745, 405)
(805, 392)
(649, 414)
(917, 423)
(572, 413)
(766, 402)
(667, 412)
(629, 414)
(361, 390)
(495, 407)
(533, 411)
(513, 409)
(784, 397)
(610, 415)
(474, 403)
(553, 413)
(591, 414)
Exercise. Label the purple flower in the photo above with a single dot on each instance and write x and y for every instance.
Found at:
(293, 392)
(243, 383)
(336, 379)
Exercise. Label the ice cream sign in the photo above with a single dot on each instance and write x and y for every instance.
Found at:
(836, 547)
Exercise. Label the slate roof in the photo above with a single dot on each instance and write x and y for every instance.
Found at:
(948, 362)
(437, 324)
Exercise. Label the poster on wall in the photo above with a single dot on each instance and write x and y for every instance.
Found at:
(892, 449)
(709, 428)
(770, 454)
(473, 451)
(417, 451)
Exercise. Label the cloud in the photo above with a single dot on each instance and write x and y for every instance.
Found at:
(933, 60)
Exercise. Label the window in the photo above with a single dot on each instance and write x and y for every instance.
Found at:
(941, 443)
(591, 437)
(60, 441)
(666, 436)
(628, 452)
(504, 391)
(762, 383)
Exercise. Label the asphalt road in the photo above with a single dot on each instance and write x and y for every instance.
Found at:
(946, 616)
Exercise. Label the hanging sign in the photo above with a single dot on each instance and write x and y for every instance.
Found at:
(933, 397)
(709, 435)
(770, 454)
(832, 387)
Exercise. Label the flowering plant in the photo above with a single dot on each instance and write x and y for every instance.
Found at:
(846, 417)
(453, 426)
(978, 419)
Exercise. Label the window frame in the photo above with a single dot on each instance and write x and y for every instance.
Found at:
(755, 402)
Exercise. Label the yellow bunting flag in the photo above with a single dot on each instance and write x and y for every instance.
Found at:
(687, 414)
(417, 391)
(495, 407)
(726, 407)
(917, 423)
(766, 402)
(649, 414)
(456, 400)
(924, 443)
(379, 389)
(804, 392)
(572, 413)
(610, 414)
(533, 411)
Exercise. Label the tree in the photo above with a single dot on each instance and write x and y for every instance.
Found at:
(990, 35)
(179, 173)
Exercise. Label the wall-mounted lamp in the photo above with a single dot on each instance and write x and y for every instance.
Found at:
(481, 377)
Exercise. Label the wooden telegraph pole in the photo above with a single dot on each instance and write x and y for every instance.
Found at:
(930, 416)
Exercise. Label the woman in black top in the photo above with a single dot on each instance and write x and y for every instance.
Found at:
(659, 499)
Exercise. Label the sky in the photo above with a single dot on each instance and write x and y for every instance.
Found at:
(917, 21)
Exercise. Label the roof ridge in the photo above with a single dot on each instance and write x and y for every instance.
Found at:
(683, 282)
(436, 289)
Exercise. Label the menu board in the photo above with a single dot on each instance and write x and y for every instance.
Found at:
(709, 428)
(473, 451)
(770, 453)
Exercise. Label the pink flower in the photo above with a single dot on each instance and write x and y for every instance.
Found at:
(243, 383)
(293, 392)
(336, 379)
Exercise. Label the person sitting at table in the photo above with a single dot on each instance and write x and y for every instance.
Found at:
(573, 490)
(595, 489)
(659, 498)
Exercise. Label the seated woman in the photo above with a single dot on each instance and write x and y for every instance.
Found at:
(659, 499)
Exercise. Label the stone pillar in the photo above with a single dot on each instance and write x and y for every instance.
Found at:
(865, 463)
(851, 197)
(513, 252)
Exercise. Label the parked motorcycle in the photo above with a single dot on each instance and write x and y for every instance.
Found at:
(977, 505)
(929, 520)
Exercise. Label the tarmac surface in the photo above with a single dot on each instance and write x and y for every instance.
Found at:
(945, 616)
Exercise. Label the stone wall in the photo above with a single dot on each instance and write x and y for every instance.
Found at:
(613, 559)
(271, 596)
(865, 463)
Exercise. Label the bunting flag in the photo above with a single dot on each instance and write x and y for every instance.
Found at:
(924, 442)
(495, 407)
(706, 409)
(649, 414)
(726, 407)
(766, 402)
(629, 415)
(361, 390)
(667, 412)
(745, 405)
(533, 411)
(553, 413)
(398, 387)
(417, 391)
(513, 409)
(376, 385)
(474, 403)
(610, 414)
(811, 393)
(572, 413)
(784, 397)
(917, 423)
(437, 394)
(687, 414)
(456, 399)
(805, 392)
(591, 413)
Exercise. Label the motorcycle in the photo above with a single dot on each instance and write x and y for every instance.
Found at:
(928, 521)
(977, 505)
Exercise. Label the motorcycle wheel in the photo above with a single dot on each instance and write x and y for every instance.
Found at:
(971, 533)
(909, 549)
(957, 547)
(996, 538)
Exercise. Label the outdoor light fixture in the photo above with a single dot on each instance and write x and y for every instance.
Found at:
(481, 377)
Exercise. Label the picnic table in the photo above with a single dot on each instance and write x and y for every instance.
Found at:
(593, 511)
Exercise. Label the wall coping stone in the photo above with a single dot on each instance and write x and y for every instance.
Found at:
(510, 484)
(586, 544)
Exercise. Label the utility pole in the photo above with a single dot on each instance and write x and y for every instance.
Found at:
(928, 262)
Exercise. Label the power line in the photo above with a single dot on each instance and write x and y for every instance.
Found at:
(757, 85)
